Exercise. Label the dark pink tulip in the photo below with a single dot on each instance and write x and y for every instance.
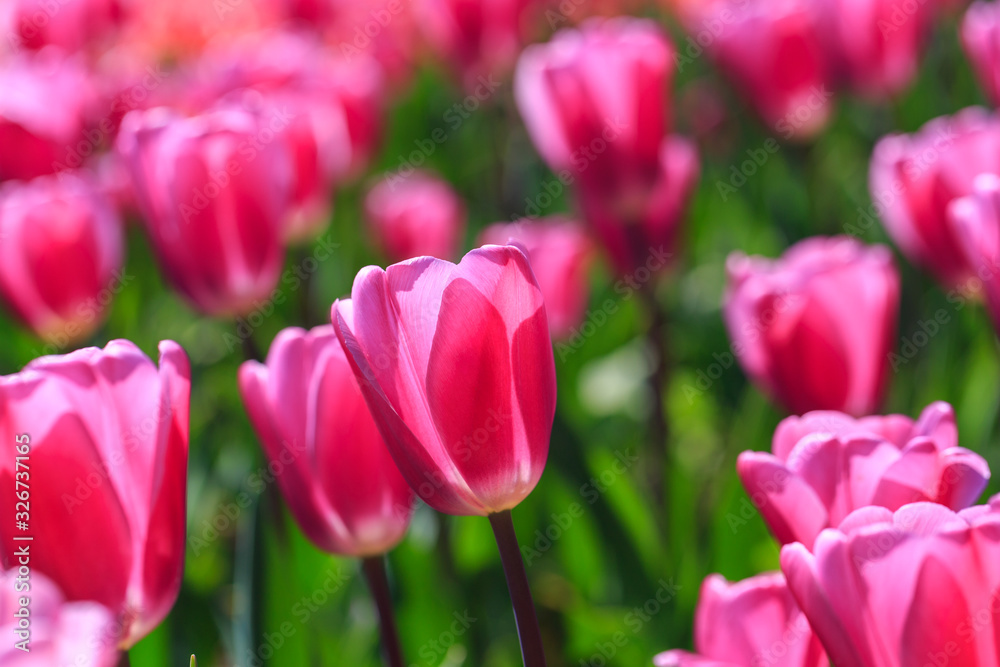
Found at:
(456, 366)
(914, 178)
(815, 328)
(975, 222)
(339, 479)
(415, 215)
(825, 465)
(108, 462)
(748, 624)
(68, 24)
(61, 633)
(60, 255)
(560, 253)
(773, 54)
(916, 587)
(981, 39)
(214, 192)
(875, 46)
(43, 111)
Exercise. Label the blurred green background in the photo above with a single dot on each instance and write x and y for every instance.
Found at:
(256, 592)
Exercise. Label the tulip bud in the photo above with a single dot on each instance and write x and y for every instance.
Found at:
(981, 39)
(107, 440)
(975, 222)
(815, 327)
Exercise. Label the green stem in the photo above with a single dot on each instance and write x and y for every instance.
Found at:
(378, 582)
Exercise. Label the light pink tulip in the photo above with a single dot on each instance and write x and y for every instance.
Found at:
(560, 253)
(456, 366)
(981, 40)
(339, 479)
(915, 177)
(108, 471)
(920, 586)
(748, 624)
(415, 215)
(60, 632)
(214, 191)
(825, 465)
(814, 329)
(975, 222)
(60, 255)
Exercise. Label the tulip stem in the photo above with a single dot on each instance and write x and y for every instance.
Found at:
(532, 651)
(659, 427)
(123, 660)
(378, 582)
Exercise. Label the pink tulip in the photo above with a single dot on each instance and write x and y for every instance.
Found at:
(825, 465)
(68, 24)
(43, 112)
(60, 255)
(415, 215)
(456, 366)
(560, 253)
(773, 54)
(915, 587)
(339, 479)
(914, 178)
(59, 632)
(214, 191)
(976, 224)
(108, 476)
(981, 39)
(815, 327)
(748, 624)
(875, 45)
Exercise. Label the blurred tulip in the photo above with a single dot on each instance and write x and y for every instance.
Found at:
(381, 31)
(913, 179)
(60, 255)
(981, 39)
(875, 46)
(339, 479)
(560, 254)
(108, 461)
(214, 192)
(414, 216)
(456, 366)
(815, 327)
(68, 24)
(976, 224)
(825, 465)
(772, 51)
(918, 586)
(60, 632)
(748, 624)
(43, 110)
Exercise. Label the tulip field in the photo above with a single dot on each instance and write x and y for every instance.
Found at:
(489, 333)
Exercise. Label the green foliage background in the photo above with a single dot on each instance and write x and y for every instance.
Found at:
(244, 587)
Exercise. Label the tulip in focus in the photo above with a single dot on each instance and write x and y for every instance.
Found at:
(815, 328)
(60, 255)
(825, 465)
(748, 624)
(914, 178)
(214, 192)
(339, 479)
(560, 254)
(415, 215)
(60, 633)
(108, 447)
(981, 40)
(918, 586)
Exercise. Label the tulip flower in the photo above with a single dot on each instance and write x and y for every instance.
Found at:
(914, 178)
(60, 255)
(560, 253)
(415, 215)
(912, 587)
(60, 632)
(214, 192)
(814, 329)
(825, 465)
(43, 112)
(975, 221)
(874, 46)
(747, 624)
(772, 52)
(68, 24)
(456, 366)
(107, 440)
(981, 40)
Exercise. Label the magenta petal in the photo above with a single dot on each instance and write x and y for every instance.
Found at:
(790, 507)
